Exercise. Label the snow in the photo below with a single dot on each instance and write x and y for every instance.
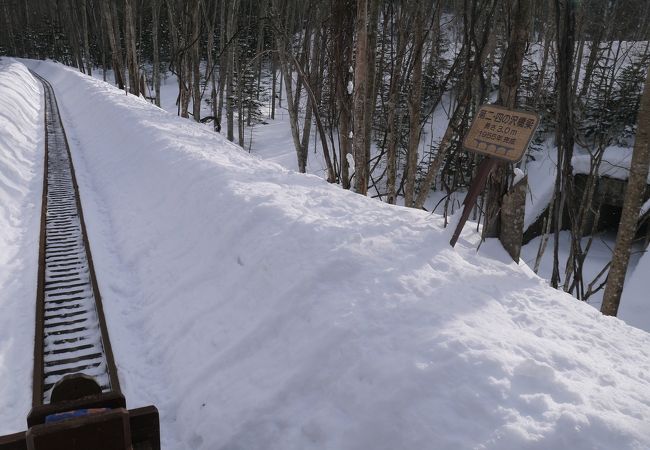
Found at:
(259, 308)
(21, 188)
(615, 163)
(519, 175)
(644, 208)
(541, 179)
(635, 307)
(600, 254)
(350, 159)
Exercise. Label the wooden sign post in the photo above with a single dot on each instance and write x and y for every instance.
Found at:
(503, 135)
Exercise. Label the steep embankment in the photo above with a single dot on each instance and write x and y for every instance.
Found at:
(263, 309)
(21, 185)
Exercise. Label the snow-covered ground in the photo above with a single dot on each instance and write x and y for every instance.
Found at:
(263, 309)
(635, 307)
(21, 189)
(598, 257)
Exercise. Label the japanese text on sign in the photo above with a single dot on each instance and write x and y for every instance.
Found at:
(500, 132)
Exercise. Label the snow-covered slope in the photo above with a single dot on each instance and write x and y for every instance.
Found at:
(635, 302)
(21, 188)
(263, 309)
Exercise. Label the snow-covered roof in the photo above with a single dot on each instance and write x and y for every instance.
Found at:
(615, 163)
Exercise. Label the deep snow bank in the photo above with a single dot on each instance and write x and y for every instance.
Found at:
(21, 184)
(635, 306)
(263, 309)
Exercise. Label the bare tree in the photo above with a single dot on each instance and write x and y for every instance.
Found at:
(564, 23)
(155, 22)
(342, 30)
(507, 96)
(636, 185)
(360, 96)
(131, 55)
(196, 60)
(231, 29)
(391, 109)
(415, 104)
(114, 41)
(84, 24)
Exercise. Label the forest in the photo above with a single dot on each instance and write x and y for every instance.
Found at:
(382, 93)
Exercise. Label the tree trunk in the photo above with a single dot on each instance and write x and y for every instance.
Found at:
(594, 53)
(223, 62)
(360, 95)
(578, 64)
(230, 100)
(314, 101)
(114, 42)
(373, 78)
(415, 107)
(343, 28)
(260, 46)
(511, 72)
(196, 60)
(464, 98)
(155, 22)
(293, 114)
(565, 26)
(508, 85)
(311, 68)
(542, 71)
(274, 74)
(636, 185)
(240, 102)
(210, 65)
(84, 26)
(131, 55)
(392, 119)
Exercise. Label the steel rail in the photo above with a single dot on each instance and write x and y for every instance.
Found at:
(71, 335)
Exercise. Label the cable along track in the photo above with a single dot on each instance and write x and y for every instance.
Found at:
(71, 333)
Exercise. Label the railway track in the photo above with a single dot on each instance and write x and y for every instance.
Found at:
(77, 402)
(71, 333)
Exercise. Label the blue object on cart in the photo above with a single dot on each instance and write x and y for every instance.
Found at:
(73, 414)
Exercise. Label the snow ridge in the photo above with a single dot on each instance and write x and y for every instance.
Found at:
(272, 310)
(21, 185)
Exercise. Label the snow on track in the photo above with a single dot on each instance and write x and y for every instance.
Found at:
(263, 309)
(72, 340)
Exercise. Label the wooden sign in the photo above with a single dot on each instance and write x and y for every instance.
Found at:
(500, 132)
